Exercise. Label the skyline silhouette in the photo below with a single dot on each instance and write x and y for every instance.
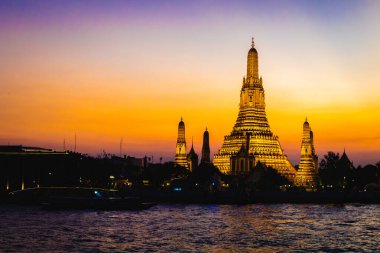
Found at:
(106, 72)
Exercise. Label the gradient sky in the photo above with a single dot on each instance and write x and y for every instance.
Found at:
(106, 70)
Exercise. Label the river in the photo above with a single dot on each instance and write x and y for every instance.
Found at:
(194, 228)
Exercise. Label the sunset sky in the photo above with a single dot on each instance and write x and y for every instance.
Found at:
(106, 70)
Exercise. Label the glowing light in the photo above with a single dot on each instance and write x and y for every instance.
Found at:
(114, 93)
(251, 139)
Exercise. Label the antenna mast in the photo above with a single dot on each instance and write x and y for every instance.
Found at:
(121, 146)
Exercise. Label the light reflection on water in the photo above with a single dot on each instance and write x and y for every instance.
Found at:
(193, 228)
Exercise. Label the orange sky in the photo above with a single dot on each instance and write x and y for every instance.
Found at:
(105, 77)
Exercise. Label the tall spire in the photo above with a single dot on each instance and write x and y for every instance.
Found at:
(252, 64)
(264, 145)
(306, 130)
(206, 147)
(181, 132)
(307, 173)
(192, 158)
(180, 154)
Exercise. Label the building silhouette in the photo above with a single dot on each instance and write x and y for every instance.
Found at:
(263, 144)
(307, 174)
(345, 170)
(242, 162)
(24, 167)
(206, 147)
(180, 154)
(192, 159)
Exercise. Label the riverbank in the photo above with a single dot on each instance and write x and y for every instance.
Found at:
(264, 197)
(220, 197)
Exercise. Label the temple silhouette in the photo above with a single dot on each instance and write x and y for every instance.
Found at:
(250, 160)
(190, 161)
(251, 139)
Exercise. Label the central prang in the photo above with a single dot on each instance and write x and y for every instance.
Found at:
(251, 139)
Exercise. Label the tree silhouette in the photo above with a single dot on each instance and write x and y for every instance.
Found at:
(328, 171)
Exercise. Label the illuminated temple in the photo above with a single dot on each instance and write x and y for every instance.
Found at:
(180, 153)
(252, 126)
(307, 173)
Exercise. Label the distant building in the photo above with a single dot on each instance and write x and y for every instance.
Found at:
(242, 162)
(345, 163)
(206, 147)
(180, 153)
(131, 161)
(24, 167)
(345, 170)
(252, 119)
(307, 174)
(192, 159)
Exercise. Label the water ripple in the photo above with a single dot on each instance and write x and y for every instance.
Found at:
(194, 228)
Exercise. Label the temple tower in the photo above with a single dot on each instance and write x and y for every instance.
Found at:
(307, 174)
(206, 147)
(192, 158)
(252, 119)
(180, 153)
(252, 63)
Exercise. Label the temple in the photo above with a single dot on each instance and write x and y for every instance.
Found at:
(180, 153)
(206, 148)
(307, 174)
(192, 159)
(263, 145)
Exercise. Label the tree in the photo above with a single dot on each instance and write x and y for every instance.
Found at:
(329, 161)
(328, 169)
(369, 174)
(264, 177)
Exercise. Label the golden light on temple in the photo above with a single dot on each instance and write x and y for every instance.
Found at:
(180, 154)
(106, 78)
(251, 134)
(307, 173)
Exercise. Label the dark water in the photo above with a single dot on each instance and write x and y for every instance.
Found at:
(194, 228)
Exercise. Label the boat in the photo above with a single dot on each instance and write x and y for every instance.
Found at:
(78, 198)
